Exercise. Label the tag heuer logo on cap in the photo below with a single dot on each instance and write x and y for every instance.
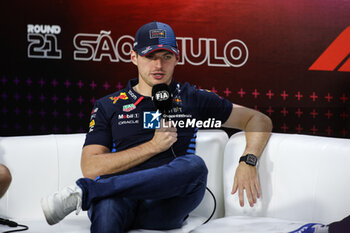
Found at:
(157, 33)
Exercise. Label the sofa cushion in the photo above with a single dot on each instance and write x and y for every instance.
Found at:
(248, 224)
(81, 224)
(41, 165)
(303, 178)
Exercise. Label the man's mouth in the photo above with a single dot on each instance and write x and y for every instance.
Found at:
(158, 75)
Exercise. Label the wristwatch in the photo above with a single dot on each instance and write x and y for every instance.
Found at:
(249, 159)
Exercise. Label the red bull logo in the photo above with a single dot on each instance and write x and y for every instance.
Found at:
(122, 96)
(92, 123)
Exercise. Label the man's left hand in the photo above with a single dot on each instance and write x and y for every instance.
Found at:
(246, 178)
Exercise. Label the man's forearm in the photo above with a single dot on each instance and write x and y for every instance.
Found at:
(256, 125)
(96, 162)
(257, 132)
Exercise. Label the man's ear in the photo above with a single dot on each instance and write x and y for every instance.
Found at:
(177, 59)
(134, 56)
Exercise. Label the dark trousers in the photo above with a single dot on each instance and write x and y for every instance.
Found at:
(157, 198)
(342, 226)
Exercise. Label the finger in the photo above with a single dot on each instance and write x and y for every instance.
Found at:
(253, 190)
(161, 129)
(234, 188)
(172, 134)
(172, 129)
(241, 196)
(169, 127)
(249, 195)
(165, 124)
(257, 187)
(174, 139)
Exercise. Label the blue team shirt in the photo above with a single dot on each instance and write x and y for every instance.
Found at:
(117, 120)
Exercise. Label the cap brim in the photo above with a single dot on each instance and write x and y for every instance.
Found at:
(150, 49)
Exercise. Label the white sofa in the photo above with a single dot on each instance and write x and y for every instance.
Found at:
(303, 179)
(41, 165)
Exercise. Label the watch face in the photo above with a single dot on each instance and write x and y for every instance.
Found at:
(251, 159)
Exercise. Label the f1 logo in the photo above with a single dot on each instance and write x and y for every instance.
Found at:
(151, 120)
(337, 54)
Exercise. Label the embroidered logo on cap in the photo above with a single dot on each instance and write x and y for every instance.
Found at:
(157, 33)
(146, 50)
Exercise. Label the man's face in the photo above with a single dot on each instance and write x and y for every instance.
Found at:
(155, 68)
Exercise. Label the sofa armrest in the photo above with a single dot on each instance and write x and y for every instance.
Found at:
(32, 161)
(210, 146)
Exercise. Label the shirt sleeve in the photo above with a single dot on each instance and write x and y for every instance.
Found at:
(211, 105)
(99, 128)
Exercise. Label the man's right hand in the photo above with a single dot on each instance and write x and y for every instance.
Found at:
(97, 160)
(164, 137)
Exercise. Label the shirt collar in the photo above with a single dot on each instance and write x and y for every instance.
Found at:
(134, 95)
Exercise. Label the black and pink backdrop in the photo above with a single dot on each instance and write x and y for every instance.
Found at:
(288, 59)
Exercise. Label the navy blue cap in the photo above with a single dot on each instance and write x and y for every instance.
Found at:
(155, 36)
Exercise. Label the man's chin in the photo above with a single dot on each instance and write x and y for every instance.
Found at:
(161, 81)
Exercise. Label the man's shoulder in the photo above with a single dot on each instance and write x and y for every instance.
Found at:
(195, 91)
(114, 98)
(185, 87)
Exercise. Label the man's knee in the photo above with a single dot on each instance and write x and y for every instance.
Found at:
(5, 179)
(110, 215)
(199, 168)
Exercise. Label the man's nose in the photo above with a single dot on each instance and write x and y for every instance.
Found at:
(158, 62)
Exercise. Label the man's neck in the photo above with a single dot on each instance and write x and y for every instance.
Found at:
(145, 91)
(143, 88)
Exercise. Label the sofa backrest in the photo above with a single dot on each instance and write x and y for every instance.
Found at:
(41, 165)
(211, 146)
(302, 178)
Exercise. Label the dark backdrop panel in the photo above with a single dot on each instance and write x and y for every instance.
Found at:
(288, 59)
